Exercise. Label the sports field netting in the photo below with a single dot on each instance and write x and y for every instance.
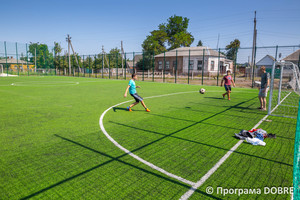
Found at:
(52, 147)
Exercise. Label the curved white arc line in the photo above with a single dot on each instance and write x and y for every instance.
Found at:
(132, 154)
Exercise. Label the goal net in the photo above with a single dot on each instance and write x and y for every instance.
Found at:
(284, 90)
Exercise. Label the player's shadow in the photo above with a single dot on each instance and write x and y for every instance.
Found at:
(214, 98)
(115, 109)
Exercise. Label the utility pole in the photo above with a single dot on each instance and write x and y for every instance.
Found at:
(253, 50)
(68, 40)
(70, 45)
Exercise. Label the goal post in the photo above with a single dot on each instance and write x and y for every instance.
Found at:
(284, 90)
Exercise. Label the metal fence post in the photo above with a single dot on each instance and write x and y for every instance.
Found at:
(109, 66)
(218, 68)
(27, 58)
(117, 65)
(17, 57)
(164, 66)
(189, 63)
(176, 67)
(143, 64)
(89, 66)
(153, 65)
(102, 65)
(203, 64)
(235, 58)
(272, 83)
(95, 65)
(59, 65)
(73, 66)
(53, 50)
(6, 58)
(63, 68)
(125, 65)
(133, 63)
(253, 78)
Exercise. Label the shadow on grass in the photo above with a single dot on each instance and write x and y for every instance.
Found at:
(125, 109)
(119, 108)
(214, 98)
(201, 143)
(105, 163)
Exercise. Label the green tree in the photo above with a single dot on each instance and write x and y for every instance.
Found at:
(200, 44)
(146, 62)
(170, 35)
(57, 51)
(44, 58)
(57, 48)
(232, 49)
(115, 58)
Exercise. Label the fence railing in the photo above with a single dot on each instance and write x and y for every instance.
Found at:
(189, 65)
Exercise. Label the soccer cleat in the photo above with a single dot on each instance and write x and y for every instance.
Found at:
(228, 99)
(129, 109)
(223, 96)
(147, 110)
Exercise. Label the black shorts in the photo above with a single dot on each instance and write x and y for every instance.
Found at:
(227, 87)
(137, 97)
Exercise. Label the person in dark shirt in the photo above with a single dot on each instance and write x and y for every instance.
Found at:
(264, 88)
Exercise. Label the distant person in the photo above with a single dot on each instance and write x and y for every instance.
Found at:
(228, 80)
(132, 91)
(264, 88)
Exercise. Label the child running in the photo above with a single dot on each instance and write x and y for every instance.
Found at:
(228, 80)
(132, 91)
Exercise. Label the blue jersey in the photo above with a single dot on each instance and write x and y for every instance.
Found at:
(132, 89)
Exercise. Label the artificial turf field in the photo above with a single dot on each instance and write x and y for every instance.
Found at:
(52, 147)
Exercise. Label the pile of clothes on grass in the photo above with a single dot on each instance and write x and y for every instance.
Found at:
(254, 136)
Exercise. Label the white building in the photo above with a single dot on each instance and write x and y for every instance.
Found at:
(193, 56)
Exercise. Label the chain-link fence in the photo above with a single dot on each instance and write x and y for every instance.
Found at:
(187, 65)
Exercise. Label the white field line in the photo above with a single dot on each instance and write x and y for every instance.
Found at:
(45, 83)
(222, 160)
(132, 154)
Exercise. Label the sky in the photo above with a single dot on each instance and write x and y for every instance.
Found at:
(93, 23)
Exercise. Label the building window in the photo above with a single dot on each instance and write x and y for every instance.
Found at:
(191, 67)
(199, 65)
(174, 64)
(159, 64)
(167, 64)
(212, 65)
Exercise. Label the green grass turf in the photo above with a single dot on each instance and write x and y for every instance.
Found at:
(51, 145)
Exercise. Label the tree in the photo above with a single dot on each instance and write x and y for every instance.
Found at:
(170, 35)
(146, 62)
(232, 49)
(44, 58)
(57, 51)
(57, 48)
(200, 44)
(115, 58)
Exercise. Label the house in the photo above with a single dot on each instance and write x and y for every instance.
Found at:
(294, 57)
(266, 61)
(13, 64)
(167, 61)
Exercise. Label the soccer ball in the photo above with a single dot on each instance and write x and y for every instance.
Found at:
(202, 91)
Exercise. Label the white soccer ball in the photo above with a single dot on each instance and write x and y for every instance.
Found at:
(202, 91)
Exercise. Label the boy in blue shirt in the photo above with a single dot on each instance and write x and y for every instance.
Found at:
(132, 91)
